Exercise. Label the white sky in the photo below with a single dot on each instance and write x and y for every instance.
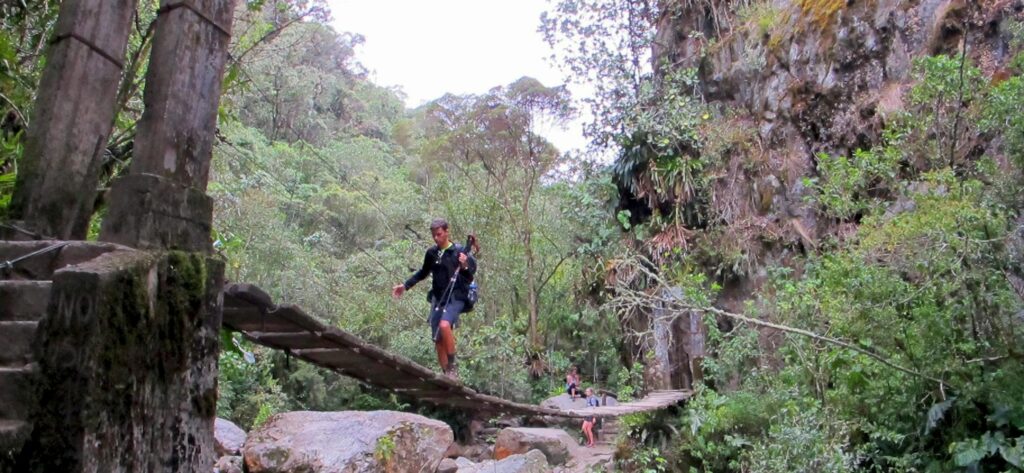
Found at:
(432, 47)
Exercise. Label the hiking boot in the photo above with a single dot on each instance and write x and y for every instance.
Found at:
(452, 372)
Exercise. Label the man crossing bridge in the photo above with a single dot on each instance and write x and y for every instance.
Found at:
(452, 269)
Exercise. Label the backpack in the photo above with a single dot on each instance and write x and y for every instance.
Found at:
(472, 296)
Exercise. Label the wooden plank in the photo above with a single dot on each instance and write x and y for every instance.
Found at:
(372, 351)
(333, 357)
(251, 320)
(245, 295)
(296, 315)
(291, 340)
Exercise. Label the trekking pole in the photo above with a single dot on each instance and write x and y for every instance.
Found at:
(449, 291)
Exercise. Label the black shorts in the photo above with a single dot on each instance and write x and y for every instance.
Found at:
(449, 312)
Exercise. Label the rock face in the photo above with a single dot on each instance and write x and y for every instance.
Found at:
(529, 462)
(349, 441)
(555, 444)
(803, 78)
(228, 438)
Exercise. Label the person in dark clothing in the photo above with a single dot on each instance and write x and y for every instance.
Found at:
(452, 271)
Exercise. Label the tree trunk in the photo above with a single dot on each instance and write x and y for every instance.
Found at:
(532, 298)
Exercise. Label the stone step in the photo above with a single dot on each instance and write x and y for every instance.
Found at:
(16, 342)
(15, 386)
(24, 300)
(43, 265)
(13, 434)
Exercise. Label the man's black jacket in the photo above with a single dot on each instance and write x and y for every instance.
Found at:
(441, 265)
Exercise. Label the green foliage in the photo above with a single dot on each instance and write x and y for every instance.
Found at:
(802, 438)
(329, 211)
(605, 43)
(970, 453)
(717, 429)
(924, 286)
(249, 394)
(645, 460)
(660, 159)
(384, 452)
(847, 184)
(10, 151)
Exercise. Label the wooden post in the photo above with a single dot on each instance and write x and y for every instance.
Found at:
(72, 118)
(161, 203)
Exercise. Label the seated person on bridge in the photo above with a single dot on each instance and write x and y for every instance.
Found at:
(572, 383)
(452, 270)
(590, 421)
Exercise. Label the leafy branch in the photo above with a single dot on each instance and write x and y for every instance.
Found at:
(657, 296)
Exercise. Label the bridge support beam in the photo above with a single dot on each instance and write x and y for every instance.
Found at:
(174, 143)
(127, 364)
(74, 113)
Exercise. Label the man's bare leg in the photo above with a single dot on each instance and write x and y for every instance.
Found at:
(447, 343)
(442, 354)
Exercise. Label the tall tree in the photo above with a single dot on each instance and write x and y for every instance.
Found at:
(494, 140)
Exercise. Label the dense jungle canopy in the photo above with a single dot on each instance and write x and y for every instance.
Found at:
(828, 190)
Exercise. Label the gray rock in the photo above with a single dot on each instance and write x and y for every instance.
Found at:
(228, 464)
(555, 444)
(529, 462)
(228, 438)
(447, 466)
(349, 441)
(476, 452)
(562, 401)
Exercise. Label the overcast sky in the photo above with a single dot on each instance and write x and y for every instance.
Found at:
(431, 47)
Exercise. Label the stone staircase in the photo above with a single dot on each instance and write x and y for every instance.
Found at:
(24, 297)
(608, 432)
(22, 306)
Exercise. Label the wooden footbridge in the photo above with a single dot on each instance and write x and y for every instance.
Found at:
(249, 310)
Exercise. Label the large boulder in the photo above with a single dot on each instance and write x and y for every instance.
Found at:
(563, 402)
(349, 441)
(529, 462)
(555, 444)
(228, 438)
(476, 452)
(447, 466)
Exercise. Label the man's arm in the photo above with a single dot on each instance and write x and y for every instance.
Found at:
(428, 264)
